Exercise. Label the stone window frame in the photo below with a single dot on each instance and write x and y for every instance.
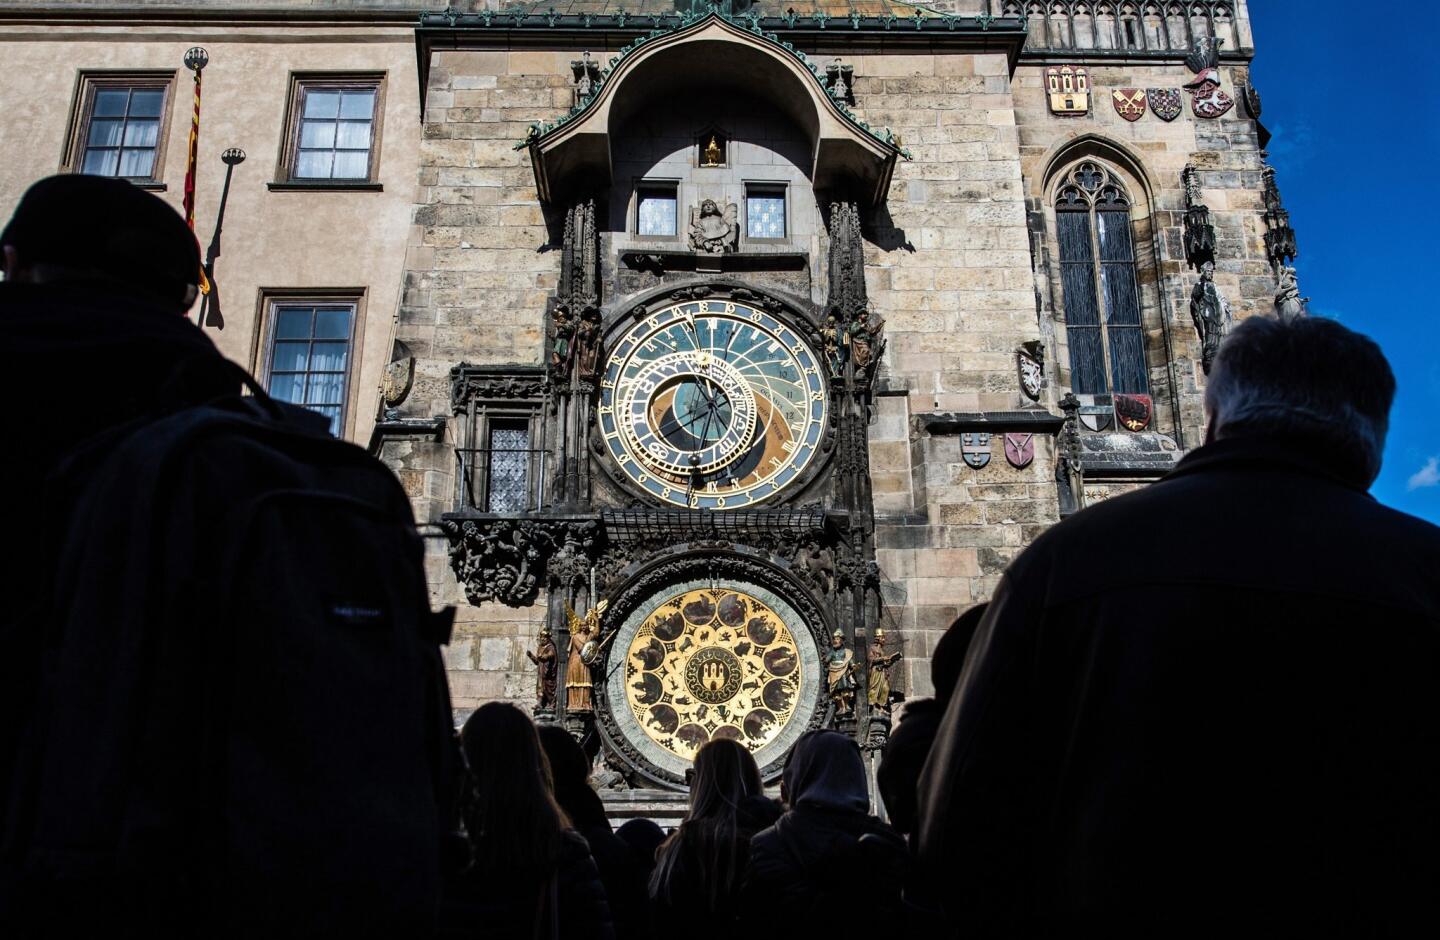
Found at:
(263, 341)
(1148, 263)
(300, 82)
(767, 188)
(670, 185)
(82, 104)
(476, 486)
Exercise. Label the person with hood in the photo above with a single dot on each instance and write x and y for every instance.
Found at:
(699, 867)
(1211, 705)
(801, 880)
(620, 870)
(531, 874)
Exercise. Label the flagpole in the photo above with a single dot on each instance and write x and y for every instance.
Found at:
(196, 59)
(210, 314)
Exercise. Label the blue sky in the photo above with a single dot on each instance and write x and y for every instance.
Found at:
(1357, 129)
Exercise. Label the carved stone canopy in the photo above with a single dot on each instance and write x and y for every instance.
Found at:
(718, 55)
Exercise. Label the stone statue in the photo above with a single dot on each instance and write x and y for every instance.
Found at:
(714, 230)
(545, 659)
(880, 664)
(863, 338)
(564, 339)
(840, 670)
(584, 633)
(1288, 302)
(1211, 313)
(587, 343)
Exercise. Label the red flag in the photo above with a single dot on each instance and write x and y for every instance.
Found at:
(190, 175)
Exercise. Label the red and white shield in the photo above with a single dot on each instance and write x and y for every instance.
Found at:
(1129, 103)
(1019, 449)
(1206, 98)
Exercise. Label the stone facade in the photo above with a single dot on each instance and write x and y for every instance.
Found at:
(508, 217)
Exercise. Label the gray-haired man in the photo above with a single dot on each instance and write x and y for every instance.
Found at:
(1213, 704)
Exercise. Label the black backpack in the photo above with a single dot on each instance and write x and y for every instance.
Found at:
(244, 726)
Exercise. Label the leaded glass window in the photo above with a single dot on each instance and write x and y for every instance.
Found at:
(1097, 276)
(336, 132)
(124, 132)
(508, 475)
(765, 214)
(655, 213)
(310, 357)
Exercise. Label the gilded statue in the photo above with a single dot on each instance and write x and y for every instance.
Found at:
(880, 663)
(545, 657)
(840, 671)
(584, 648)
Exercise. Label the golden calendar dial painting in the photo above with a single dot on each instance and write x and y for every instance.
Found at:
(712, 663)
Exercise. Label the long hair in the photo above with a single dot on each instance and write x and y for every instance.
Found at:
(710, 839)
(512, 818)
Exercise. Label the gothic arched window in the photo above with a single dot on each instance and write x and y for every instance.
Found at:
(1097, 262)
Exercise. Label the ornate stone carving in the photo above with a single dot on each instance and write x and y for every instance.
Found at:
(494, 383)
(575, 309)
(1279, 235)
(715, 229)
(1199, 235)
(840, 80)
(852, 330)
(1211, 313)
(1288, 302)
(506, 560)
(1069, 477)
(586, 76)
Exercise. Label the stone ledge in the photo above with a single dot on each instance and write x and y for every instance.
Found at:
(956, 422)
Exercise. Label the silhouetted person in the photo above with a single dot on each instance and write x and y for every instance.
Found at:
(643, 837)
(531, 874)
(620, 870)
(222, 706)
(918, 721)
(699, 867)
(827, 867)
(1212, 704)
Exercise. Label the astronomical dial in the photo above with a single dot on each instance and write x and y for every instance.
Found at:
(712, 404)
(712, 663)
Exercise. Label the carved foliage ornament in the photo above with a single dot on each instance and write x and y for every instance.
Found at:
(506, 560)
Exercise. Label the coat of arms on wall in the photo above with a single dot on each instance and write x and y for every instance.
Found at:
(1097, 417)
(1134, 411)
(1206, 98)
(1129, 103)
(1019, 450)
(1068, 87)
(1030, 363)
(975, 448)
(1165, 102)
(714, 230)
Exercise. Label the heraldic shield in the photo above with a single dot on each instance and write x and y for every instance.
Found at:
(1129, 103)
(1134, 411)
(1166, 103)
(975, 448)
(1019, 449)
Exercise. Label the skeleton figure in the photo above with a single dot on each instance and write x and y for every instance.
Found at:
(1211, 313)
(713, 230)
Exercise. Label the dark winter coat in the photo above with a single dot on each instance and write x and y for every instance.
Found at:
(1213, 704)
(566, 902)
(824, 871)
(687, 895)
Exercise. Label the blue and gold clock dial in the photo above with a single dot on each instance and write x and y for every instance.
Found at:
(712, 404)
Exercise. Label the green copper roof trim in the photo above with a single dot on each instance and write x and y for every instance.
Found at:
(750, 22)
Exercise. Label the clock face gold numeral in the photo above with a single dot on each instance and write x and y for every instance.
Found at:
(698, 397)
